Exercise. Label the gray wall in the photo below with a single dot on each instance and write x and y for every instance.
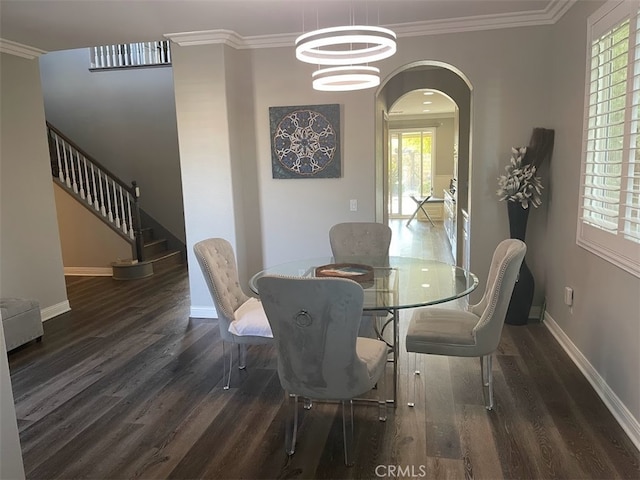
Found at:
(126, 120)
(30, 254)
(604, 323)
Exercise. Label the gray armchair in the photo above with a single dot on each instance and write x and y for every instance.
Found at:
(315, 325)
(241, 318)
(474, 332)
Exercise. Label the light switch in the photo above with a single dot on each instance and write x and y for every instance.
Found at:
(568, 296)
(353, 205)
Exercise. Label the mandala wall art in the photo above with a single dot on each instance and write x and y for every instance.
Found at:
(305, 141)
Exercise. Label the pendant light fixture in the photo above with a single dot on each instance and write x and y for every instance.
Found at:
(346, 45)
(345, 50)
(346, 78)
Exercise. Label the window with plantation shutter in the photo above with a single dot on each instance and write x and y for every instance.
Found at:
(609, 220)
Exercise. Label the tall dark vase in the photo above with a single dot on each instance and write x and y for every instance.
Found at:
(522, 296)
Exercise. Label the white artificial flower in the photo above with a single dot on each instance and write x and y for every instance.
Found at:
(520, 184)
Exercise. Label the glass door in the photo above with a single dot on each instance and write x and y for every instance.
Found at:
(410, 169)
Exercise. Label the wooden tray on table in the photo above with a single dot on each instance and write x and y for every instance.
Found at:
(363, 274)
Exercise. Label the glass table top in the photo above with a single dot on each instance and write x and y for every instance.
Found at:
(400, 282)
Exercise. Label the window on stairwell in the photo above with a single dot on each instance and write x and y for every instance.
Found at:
(127, 55)
(609, 220)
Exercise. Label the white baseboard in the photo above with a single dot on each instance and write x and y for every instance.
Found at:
(88, 271)
(55, 310)
(629, 424)
(203, 312)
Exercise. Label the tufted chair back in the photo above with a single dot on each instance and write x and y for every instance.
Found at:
(351, 240)
(492, 308)
(315, 326)
(218, 264)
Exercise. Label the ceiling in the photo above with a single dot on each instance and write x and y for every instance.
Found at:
(421, 103)
(50, 25)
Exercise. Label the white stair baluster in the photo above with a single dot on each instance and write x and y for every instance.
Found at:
(102, 209)
(81, 181)
(60, 170)
(137, 54)
(66, 164)
(73, 161)
(96, 202)
(116, 218)
(122, 211)
(108, 196)
(132, 234)
(86, 181)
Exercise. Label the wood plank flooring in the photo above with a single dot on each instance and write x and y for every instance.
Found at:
(127, 386)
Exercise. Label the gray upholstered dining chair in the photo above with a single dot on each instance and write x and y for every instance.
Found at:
(351, 242)
(474, 332)
(315, 325)
(241, 318)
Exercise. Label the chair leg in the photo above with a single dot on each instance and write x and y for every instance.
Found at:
(242, 356)
(382, 397)
(226, 358)
(291, 423)
(347, 431)
(486, 366)
(416, 379)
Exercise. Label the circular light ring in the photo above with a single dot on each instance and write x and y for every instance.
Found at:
(343, 79)
(379, 43)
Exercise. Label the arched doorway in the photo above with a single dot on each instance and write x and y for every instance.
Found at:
(426, 75)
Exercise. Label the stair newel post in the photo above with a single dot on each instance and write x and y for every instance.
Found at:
(137, 223)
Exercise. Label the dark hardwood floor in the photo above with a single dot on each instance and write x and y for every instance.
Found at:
(126, 385)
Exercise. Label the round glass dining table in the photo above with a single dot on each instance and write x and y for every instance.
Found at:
(398, 282)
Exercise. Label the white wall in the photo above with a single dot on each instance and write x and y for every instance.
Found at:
(126, 120)
(603, 327)
(30, 254)
(203, 136)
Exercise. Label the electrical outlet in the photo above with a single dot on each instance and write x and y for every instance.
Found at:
(353, 205)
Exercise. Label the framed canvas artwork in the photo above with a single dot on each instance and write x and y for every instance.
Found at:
(305, 141)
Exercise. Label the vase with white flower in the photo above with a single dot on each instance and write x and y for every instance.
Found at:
(521, 187)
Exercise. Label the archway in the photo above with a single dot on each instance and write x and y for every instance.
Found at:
(426, 75)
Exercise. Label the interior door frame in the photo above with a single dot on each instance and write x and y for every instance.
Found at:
(420, 75)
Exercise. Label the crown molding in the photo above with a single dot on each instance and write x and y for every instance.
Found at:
(230, 38)
(554, 11)
(19, 50)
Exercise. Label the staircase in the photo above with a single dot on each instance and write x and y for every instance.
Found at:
(115, 203)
